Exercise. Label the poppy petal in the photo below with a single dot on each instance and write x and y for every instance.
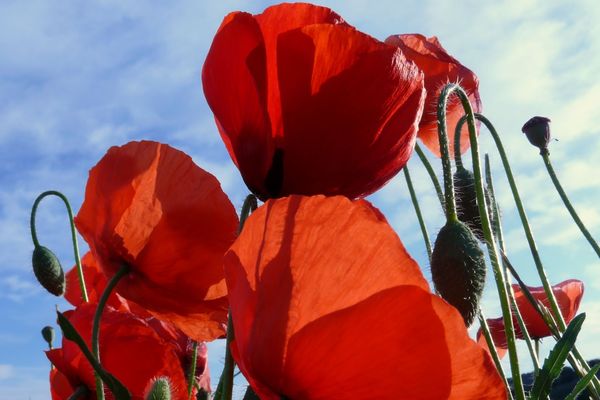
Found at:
(150, 207)
(439, 68)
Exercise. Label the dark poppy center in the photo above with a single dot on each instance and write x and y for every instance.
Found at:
(274, 179)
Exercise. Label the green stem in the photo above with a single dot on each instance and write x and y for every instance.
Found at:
(73, 234)
(546, 157)
(457, 137)
(449, 202)
(124, 270)
(431, 172)
(493, 352)
(415, 201)
(225, 387)
(192, 375)
(537, 347)
(487, 231)
(497, 222)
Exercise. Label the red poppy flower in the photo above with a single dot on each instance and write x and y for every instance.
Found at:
(307, 104)
(568, 295)
(326, 303)
(125, 341)
(439, 68)
(148, 206)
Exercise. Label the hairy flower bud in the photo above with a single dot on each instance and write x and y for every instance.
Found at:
(48, 271)
(467, 208)
(537, 130)
(458, 269)
(159, 389)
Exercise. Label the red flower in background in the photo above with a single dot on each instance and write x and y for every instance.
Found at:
(319, 287)
(130, 349)
(148, 206)
(568, 295)
(306, 104)
(439, 68)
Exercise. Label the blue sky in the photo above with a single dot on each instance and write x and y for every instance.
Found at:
(78, 77)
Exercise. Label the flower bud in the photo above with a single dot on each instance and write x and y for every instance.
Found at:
(458, 269)
(48, 335)
(158, 389)
(537, 130)
(48, 271)
(466, 201)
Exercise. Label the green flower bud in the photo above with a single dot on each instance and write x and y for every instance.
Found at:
(458, 269)
(48, 335)
(159, 389)
(48, 271)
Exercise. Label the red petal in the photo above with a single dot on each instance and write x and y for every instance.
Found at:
(439, 68)
(150, 207)
(319, 285)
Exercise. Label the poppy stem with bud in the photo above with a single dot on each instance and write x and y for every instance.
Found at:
(225, 387)
(124, 270)
(73, 233)
(563, 195)
(415, 201)
(485, 223)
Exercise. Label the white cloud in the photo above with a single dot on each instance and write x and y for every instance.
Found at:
(6, 371)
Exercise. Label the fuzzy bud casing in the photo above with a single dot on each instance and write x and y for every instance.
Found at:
(159, 389)
(48, 271)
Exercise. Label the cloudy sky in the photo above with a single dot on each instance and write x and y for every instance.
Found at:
(79, 77)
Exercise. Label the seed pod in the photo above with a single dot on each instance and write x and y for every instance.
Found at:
(537, 130)
(466, 201)
(48, 335)
(48, 271)
(458, 269)
(159, 389)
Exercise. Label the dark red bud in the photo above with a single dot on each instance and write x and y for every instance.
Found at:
(537, 130)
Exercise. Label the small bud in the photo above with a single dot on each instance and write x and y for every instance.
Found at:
(48, 335)
(537, 130)
(466, 201)
(458, 269)
(158, 389)
(48, 271)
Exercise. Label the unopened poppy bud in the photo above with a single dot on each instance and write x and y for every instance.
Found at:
(466, 200)
(159, 389)
(458, 269)
(537, 130)
(48, 335)
(48, 271)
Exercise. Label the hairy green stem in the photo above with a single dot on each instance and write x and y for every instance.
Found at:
(73, 234)
(431, 172)
(415, 201)
(124, 270)
(192, 373)
(485, 329)
(546, 157)
(487, 231)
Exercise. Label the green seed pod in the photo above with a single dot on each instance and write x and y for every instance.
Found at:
(48, 271)
(48, 335)
(458, 269)
(159, 389)
(466, 201)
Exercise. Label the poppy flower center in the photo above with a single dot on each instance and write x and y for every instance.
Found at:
(274, 179)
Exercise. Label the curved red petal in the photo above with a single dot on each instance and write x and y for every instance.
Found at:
(148, 206)
(306, 272)
(439, 68)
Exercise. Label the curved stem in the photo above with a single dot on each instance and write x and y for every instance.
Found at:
(450, 203)
(431, 172)
(497, 222)
(73, 234)
(485, 329)
(457, 155)
(192, 375)
(225, 388)
(415, 201)
(546, 157)
(487, 231)
(124, 270)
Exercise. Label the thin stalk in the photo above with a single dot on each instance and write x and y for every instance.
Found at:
(431, 172)
(124, 270)
(537, 347)
(415, 201)
(493, 352)
(192, 374)
(500, 237)
(73, 234)
(225, 387)
(546, 157)
(487, 231)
